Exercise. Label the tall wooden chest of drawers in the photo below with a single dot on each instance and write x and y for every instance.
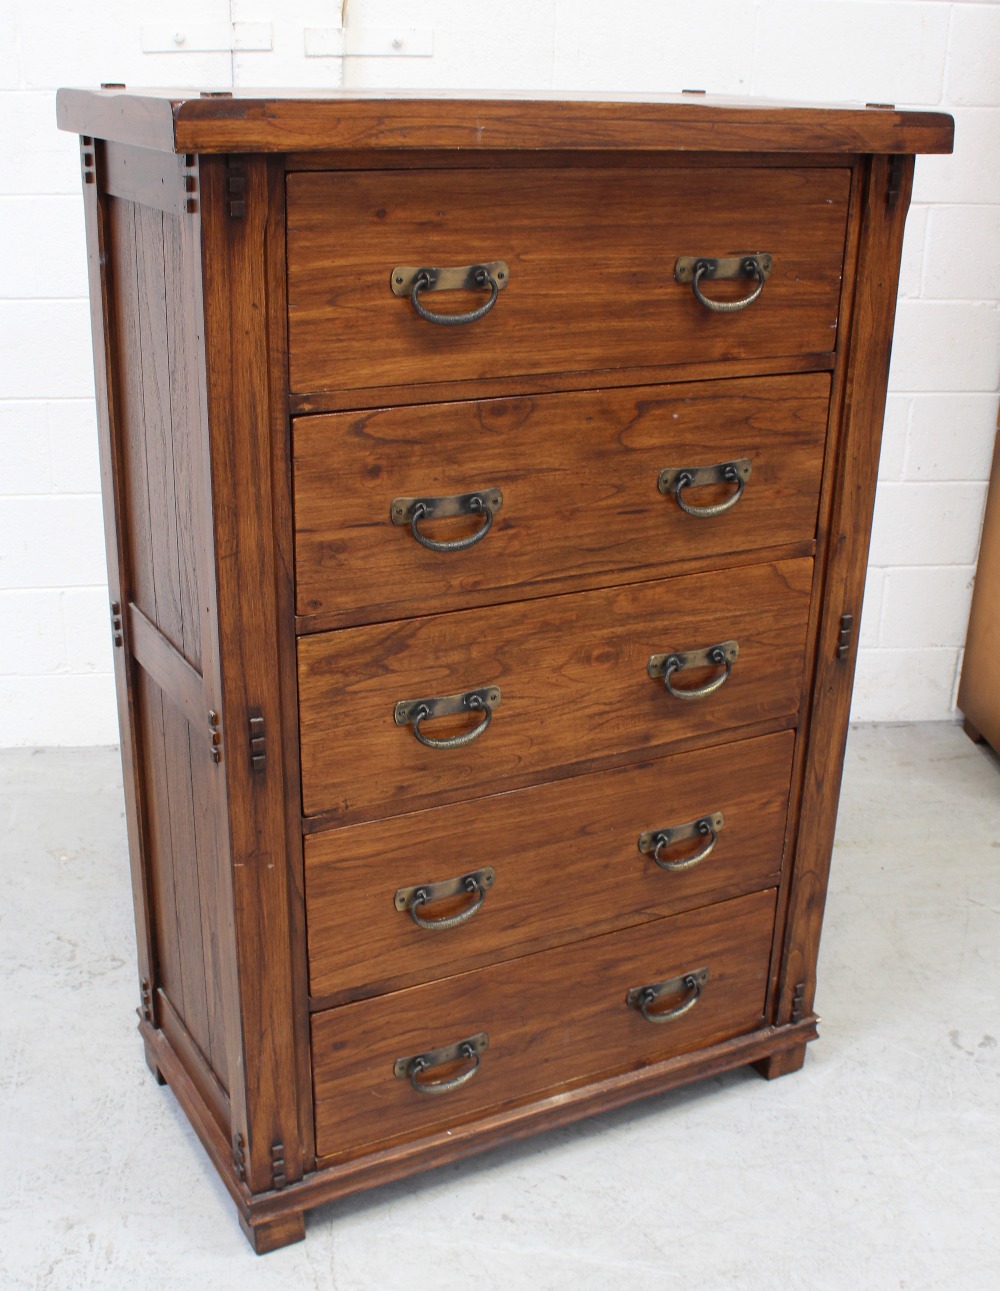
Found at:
(488, 487)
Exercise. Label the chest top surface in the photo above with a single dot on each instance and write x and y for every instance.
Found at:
(307, 120)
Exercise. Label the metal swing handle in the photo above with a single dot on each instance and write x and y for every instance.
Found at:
(653, 842)
(675, 479)
(410, 511)
(413, 712)
(698, 269)
(642, 997)
(423, 894)
(414, 282)
(412, 1068)
(666, 665)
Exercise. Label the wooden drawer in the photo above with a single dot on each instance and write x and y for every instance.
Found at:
(575, 691)
(591, 257)
(578, 474)
(556, 1018)
(566, 861)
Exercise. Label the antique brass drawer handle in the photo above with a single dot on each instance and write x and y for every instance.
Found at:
(698, 269)
(665, 665)
(656, 841)
(412, 1068)
(415, 898)
(407, 281)
(414, 711)
(675, 479)
(486, 503)
(641, 997)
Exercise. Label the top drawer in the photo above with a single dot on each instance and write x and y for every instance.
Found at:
(591, 257)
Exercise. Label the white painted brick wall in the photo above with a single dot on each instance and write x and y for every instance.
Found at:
(55, 653)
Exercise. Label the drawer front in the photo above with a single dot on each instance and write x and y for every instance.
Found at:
(574, 686)
(555, 1018)
(565, 864)
(578, 475)
(591, 258)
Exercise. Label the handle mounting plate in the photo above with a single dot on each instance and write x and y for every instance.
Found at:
(459, 504)
(458, 278)
(724, 266)
(483, 878)
(444, 705)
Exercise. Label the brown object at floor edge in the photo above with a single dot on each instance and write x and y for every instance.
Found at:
(979, 689)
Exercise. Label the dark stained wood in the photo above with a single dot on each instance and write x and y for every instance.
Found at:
(519, 159)
(156, 813)
(160, 424)
(106, 342)
(284, 554)
(782, 1063)
(579, 480)
(199, 1113)
(187, 421)
(557, 1018)
(499, 1127)
(829, 492)
(234, 286)
(270, 1234)
(561, 605)
(867, 352)
(573, 679)
(566, 860)
(249, 121)
(150, 1055)
(167, 667)
(196, 1063)
(576, 300)
(143, 175)
(550, 383)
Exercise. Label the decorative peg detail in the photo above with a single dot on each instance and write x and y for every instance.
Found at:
(258, 740)
(278, 1178)
(87, 159)
(798, 996)
(117, 629)
(240, 1157)
(189, 175)
(145, 1000)
(236, 184)
(844, 636)
(214, 735)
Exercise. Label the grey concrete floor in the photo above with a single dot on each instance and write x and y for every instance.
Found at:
(877, 1166)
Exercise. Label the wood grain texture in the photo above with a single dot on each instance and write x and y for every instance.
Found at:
(554, 382)
(252, 121)
(557, 1018)
(579, 383)
(566, 860)
(591, 258)
(503, 1126)
(572, 672)
(271, 1234)
(979, 692)
(284, 554)
(145, 176)
(104, 320)
(885, 197)
(579, 479)
(235, 295)
(167, 667)
(197, 1065)
(151, 256)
